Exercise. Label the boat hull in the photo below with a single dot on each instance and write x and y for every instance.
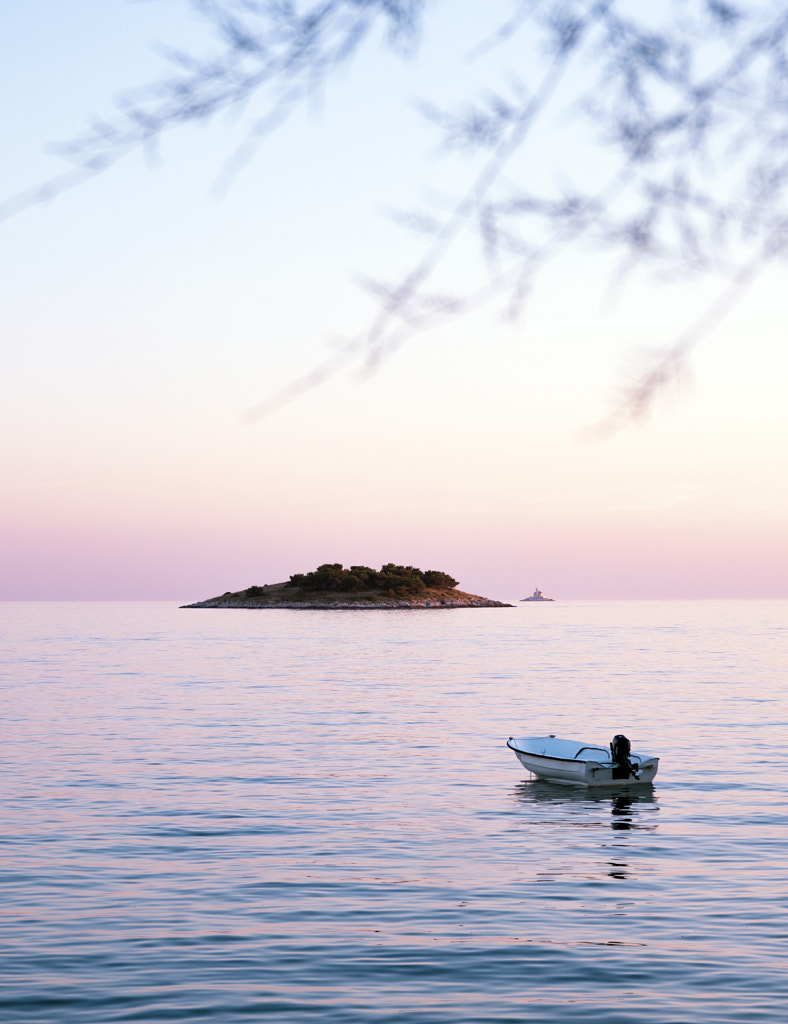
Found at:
(588, 770)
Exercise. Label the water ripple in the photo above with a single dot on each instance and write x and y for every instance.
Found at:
(292, 816)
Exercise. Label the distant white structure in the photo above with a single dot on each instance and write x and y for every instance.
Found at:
(537, 596)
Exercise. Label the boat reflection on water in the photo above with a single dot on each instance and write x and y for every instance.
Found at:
(562, 810)
(624, 804)
(622, 811)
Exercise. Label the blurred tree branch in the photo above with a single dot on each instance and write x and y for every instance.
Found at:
(686, 100)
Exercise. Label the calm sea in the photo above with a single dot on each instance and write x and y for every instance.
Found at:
(226, 816)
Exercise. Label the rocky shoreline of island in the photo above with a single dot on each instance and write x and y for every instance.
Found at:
(461, 601)
(331, 587)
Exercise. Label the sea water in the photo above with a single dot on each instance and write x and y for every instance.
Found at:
(227, 815)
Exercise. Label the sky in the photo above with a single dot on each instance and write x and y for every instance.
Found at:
(145, 313)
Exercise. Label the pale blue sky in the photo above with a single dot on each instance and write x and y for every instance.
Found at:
(143, 316)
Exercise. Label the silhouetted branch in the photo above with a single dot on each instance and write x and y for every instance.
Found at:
(687, 101)
(636, 399)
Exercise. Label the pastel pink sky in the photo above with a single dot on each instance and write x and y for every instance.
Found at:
(142, 318)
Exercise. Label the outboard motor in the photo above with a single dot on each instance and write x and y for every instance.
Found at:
(622, 767)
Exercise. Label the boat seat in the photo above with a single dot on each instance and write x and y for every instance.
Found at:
(594, 750)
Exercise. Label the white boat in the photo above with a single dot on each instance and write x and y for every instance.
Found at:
(572, 762)
(537, 596)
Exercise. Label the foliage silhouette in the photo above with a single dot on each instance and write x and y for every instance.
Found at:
(686, 101)
(393, 580)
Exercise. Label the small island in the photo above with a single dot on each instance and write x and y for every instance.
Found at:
(537, 596)
(332, 586)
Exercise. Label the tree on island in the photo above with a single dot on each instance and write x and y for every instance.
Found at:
(393, 580)
(331, 585)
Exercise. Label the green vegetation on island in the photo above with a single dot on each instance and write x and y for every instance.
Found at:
(331, 585)
(392, 580)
